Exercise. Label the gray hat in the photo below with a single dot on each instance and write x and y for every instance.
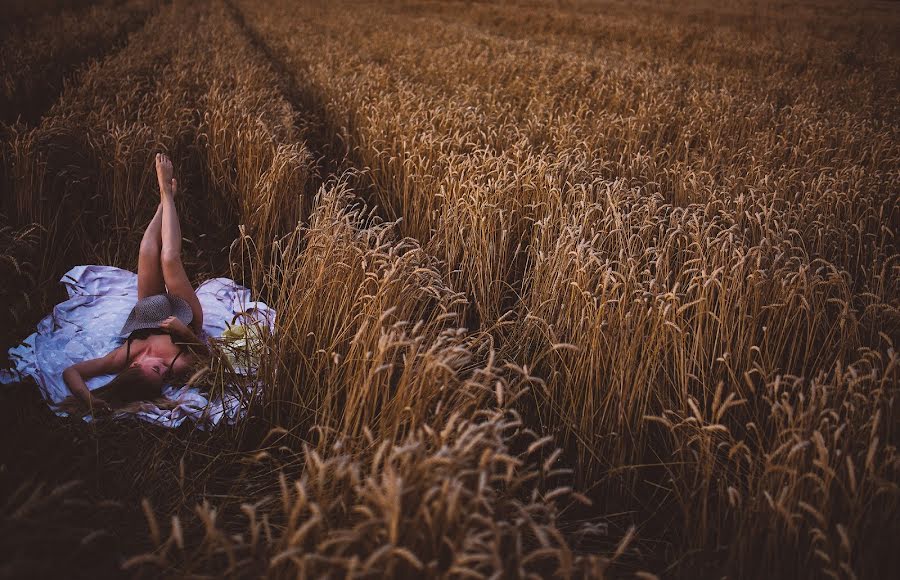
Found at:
(150, 311)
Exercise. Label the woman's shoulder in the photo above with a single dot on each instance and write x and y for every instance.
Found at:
(157, 340)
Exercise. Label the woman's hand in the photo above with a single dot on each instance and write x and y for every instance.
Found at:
(184, 333)
(175, 326)
(100, 407)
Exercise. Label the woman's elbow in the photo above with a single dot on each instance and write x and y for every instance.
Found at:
(68, 374)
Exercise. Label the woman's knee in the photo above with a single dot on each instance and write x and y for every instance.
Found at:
(170, 259)
(149, 249)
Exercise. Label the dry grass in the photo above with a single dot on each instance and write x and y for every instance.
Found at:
(470, 497)
(660, 236)
(661, 226)
(368, 331)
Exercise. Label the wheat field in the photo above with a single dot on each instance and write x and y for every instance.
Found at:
(572, 289)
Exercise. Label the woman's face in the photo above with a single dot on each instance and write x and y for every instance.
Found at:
(154, 368)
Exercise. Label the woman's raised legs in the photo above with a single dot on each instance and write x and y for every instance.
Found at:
(176, 280)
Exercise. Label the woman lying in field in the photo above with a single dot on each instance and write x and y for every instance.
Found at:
(162, 329)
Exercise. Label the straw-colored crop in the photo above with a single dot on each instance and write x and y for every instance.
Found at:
(660, 237)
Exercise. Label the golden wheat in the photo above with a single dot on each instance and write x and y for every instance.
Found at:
(661, 236)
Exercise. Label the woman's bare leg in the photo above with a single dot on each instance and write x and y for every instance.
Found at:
(150, 275)
(174, 275)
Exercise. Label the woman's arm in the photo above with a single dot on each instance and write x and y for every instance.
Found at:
(184, 334)
(75, 375)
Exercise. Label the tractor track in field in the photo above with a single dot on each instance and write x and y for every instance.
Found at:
(326, 147)
(331, 152)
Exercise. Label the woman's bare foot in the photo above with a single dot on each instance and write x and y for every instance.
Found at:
(167, 184)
